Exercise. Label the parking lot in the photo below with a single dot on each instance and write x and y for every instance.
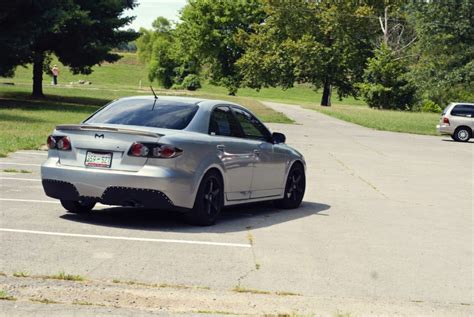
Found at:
(386, 227)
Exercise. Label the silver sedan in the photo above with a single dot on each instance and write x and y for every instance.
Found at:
(187, 154)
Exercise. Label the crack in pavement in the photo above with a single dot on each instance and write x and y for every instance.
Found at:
(354, 174)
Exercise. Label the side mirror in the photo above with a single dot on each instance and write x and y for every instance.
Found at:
(278, 138)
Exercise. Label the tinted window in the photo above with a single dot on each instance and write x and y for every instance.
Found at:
(146, 112)
(223, 123)
(252, 128)
(463, 110)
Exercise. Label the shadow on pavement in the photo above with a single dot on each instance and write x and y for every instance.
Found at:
(451, 140)
(232, 219)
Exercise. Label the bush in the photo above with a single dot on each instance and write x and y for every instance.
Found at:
(191, 82)
(385, 85)
(430, 106)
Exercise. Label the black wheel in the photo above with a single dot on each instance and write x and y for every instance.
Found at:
(294, 189)
(462, 134)
(78, 206)
(209, 201)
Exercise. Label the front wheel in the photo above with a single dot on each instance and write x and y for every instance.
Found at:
(78, 206)
(294, 189)
(209, 201)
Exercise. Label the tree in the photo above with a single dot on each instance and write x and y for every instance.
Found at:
(324, 43)
(81, 33)
(167, 58)
(210, 30)
(385, 85)
(443, 63)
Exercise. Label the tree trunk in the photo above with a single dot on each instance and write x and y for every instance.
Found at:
(38, 75)
(326, 98)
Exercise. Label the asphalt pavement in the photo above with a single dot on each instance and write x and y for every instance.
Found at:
(387, 218)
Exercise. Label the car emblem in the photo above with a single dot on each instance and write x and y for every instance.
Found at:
(99, 136)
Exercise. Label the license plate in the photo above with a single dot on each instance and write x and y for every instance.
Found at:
(98, 159)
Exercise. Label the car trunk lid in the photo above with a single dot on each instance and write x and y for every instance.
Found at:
(105, 146)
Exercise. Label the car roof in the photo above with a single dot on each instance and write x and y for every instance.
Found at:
(462, 103)
(202, 102)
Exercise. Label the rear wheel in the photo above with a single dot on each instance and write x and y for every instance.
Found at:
(78, 206)
(462, 134)
(294, 189)
(209, 201)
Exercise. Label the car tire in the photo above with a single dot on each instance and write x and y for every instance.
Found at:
(78, 207)
(462, 134)
(294, 188)
(209, 201)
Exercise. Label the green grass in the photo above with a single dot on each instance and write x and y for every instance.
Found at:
(65, 277)
(13, 170)
(127, 73)
(5, 296)
(25, 123)
(388, 120)
(21, 274)
(300, 94)
(44, 301)
(239, 289)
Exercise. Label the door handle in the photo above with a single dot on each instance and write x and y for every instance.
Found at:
(220, 147)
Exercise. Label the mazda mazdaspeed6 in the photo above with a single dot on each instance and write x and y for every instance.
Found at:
(186, 154)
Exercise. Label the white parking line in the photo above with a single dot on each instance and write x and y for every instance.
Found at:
(21, 179)
(13, 163)
(31, 200)
(62, 234)
(32, 153)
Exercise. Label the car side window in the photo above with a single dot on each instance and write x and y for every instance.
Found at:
(463, 111)
(251, 126)
(223, 123)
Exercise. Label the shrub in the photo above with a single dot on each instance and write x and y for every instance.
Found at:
(191, 82)
(430, 106)
(385, 85)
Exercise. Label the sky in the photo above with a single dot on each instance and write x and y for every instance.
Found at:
(148, 10)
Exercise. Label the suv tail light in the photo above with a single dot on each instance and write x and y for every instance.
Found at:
(62, 143)
(446, 120)
(154, 150)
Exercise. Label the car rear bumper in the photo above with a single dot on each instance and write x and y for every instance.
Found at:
(444, 129)
(151, 187)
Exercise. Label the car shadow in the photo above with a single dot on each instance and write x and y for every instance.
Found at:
(450, 140)
(232, 219)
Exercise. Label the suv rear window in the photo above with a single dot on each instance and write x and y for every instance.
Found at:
(463, 111)
(145, 112)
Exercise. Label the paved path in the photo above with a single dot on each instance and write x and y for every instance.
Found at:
(386, 227)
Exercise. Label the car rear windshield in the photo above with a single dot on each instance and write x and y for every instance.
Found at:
(145, 112)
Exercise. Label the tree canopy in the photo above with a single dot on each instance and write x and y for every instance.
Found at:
(324, 43)
(81, 33)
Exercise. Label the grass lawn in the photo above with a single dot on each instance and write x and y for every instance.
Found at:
(387, 120)
(25, 123)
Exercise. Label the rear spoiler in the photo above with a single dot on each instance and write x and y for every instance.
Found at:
(86, 127)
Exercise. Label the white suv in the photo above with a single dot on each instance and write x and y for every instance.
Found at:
(457, 120)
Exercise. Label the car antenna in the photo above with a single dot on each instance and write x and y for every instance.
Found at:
(156, 97)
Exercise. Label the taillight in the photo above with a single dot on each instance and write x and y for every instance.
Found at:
(154, 150)
(139, 149)
(445, 120)
(166, 151)
(51, 142)
(62, 143)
